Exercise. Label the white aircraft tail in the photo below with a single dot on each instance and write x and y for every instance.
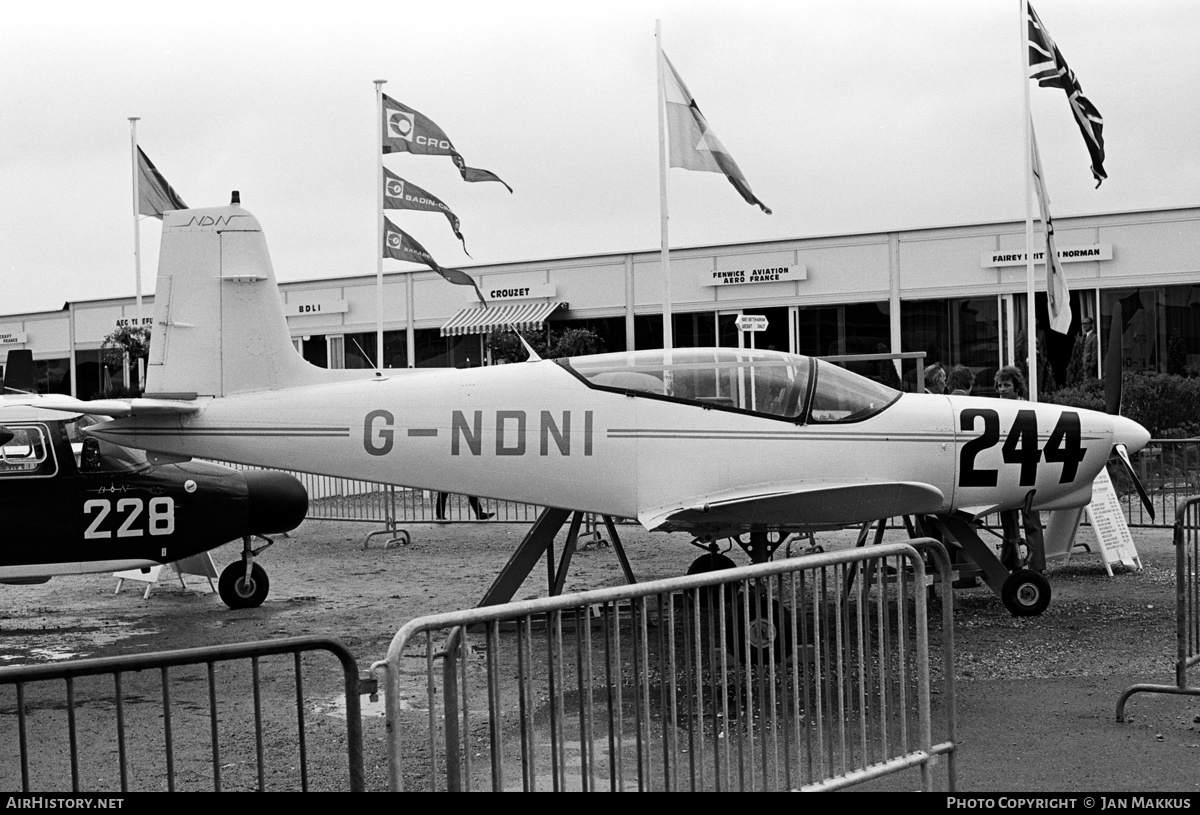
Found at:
(219, 326)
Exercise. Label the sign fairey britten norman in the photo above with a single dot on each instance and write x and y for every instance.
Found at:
(1066, 254)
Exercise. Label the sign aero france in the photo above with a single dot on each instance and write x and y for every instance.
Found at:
(744, 275)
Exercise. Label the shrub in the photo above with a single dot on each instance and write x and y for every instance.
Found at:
(569, 342)
(1165, 404)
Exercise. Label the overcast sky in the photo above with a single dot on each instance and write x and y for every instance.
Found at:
(854, 116)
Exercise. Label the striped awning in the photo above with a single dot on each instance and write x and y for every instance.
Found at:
(479, 320)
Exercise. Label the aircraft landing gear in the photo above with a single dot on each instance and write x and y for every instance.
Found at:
(243, 583)
(768, 632)
(711, 562)
(1025, 593)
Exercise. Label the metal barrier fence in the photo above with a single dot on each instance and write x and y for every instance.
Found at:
(806, 673)
(1187, 607)
(94, 725)
(1169, 469)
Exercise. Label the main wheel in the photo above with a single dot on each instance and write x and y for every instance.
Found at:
(1025, 593)
(711, 562)
(769, 631)
(238, 591)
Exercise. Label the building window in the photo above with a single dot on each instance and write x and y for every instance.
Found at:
(92, 377)
(315, 350)
(1159, 328)
(53, 375)
(954, 331)
(435, 351)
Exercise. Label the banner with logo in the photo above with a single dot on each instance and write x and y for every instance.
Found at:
(401, 194)
(407, 131)
(397, 244)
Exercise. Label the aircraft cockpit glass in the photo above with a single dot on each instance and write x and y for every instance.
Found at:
(844, 396)
(763, 382)
(93, 455)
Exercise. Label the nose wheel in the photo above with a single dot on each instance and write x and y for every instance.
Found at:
(1025, 593)
(243, 583)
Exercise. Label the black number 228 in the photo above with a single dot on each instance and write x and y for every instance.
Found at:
(1020, 447)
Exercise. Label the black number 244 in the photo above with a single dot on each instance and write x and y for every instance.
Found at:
(1020, 447)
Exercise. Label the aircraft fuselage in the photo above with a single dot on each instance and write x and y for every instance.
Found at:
(535, 432)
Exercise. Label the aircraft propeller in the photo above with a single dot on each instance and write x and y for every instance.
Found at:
(1112, 396)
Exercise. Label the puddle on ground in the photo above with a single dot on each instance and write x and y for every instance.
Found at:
(37, 639)
(336, 707)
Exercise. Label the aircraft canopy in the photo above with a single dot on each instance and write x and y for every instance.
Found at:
(786, 386)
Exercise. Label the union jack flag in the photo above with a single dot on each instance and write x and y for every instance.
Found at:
(1047, 66)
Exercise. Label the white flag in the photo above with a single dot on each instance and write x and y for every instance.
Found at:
(1058, 297)
(693, 144)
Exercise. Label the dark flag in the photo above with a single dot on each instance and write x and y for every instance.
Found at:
(1047, 66)
(693, 144)
(406, 131)
(398, 245)
(155, 195)
(401, 194)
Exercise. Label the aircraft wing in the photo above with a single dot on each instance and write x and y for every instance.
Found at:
(117, 408)
(806, 504)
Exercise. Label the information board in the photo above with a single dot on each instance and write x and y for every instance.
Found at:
(1107, 518)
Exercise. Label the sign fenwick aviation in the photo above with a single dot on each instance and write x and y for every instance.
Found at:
(753, 274)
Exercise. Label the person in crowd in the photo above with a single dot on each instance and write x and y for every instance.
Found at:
(1010, 384)
(935, 378)
(960, 381)
(476, 507)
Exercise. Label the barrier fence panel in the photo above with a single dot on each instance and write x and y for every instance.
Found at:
(1169, 469)
(1187, 607)
(810, 673)
(234, 717)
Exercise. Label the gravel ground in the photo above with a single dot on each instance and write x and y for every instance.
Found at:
(1036, 696)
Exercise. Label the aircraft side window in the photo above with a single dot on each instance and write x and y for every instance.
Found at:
(26, 453)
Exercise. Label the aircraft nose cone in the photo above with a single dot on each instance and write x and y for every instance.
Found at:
(1129, 433)
(278, 501)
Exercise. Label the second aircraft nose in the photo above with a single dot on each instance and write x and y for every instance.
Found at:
(278, 501)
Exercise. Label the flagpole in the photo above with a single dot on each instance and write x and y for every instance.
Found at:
(1027, 122)
(662, 190)
(137, 238)
(379, 83)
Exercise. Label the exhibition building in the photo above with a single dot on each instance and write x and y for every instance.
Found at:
(956, 294)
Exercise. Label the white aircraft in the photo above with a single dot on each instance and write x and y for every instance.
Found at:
(718, 442)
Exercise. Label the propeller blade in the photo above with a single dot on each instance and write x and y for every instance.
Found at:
(1112, 362)
(1123, 454)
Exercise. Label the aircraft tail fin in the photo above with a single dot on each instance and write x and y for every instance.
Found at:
(19, 371)
(219, 325)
